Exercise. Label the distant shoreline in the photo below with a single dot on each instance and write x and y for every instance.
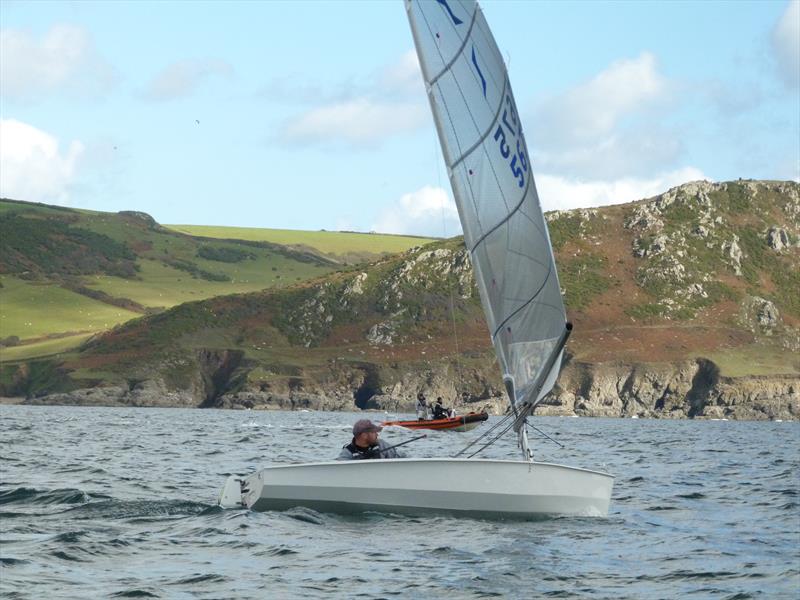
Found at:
(543, 411)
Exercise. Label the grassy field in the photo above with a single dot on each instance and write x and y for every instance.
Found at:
(31, 310)
(163, 286)
(755, 360)
(42, 348)
(335, 243)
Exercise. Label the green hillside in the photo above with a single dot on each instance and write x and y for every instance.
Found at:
(703, 270)
(67, 274)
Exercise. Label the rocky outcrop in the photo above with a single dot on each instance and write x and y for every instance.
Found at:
(150, 393)
(778, 238)
(390, 291)
(687, 240)
(755, 398)
(182, 383)
(291, 401)
(760, 315)
(691, 389)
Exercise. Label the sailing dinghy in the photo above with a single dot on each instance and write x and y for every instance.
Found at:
(490, 173)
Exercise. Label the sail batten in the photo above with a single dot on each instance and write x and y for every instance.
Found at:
(484, 148)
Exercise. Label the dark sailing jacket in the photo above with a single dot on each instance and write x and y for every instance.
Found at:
(439, 412)
(353, 452)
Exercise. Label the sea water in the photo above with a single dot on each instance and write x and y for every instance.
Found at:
(121, 502)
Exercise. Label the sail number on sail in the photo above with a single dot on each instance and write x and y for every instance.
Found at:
(518, 163)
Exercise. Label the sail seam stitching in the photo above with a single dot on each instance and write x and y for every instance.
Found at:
(459, 51)
(508, 216)
(532, 298)
(443, 101)
(488, 131)
(446, 112)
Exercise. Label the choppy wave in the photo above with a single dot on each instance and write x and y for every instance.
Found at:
(32, 496)
(700, 509)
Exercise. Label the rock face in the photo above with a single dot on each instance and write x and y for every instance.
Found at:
(760, 315)
(777, 238)
(394, 295)
(691, 237)
(150, 393)
(691, 389)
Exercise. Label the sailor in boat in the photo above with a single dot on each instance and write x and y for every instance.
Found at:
(439, 411)
(422, 407)
(366, 443)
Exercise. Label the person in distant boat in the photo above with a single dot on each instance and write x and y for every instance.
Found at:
(365, 443)
(422, 407)
(439, 411)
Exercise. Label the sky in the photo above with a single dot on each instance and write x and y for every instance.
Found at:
(313, 115)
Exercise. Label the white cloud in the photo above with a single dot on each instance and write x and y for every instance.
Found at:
(182, 78)
(357, 122)
(32, 166)
(607, 127)
(594, 109)
(429, 211)
(403, 76)
(786, 43)
(63, 60)
(391, 102)
(561, 193)
(619, 154)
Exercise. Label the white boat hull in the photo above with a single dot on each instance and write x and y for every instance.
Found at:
(426, 485)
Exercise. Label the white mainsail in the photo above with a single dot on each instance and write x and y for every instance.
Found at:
(490, 172)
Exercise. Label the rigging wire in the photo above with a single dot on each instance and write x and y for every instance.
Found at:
(459, 375)
(494, 439)
(485, 434)
(527, 424)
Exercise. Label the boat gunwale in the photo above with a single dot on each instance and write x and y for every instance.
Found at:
(435, 459)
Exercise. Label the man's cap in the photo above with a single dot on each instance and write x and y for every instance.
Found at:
(365, 426)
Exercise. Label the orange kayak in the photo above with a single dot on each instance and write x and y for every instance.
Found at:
(460, 423)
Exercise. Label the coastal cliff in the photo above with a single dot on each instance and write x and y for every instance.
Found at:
(684, 305)
(690, 389)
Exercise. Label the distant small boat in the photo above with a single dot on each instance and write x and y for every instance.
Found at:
(462, 423)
